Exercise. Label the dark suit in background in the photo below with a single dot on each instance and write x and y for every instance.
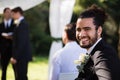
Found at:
(21, 50)
(5, 48)
(102, 65)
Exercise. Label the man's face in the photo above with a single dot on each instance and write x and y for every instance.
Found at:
(86, 32)
(7, 14)
(15, 15)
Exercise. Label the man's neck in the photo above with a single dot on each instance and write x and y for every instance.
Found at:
(67, 41)
(92, 47)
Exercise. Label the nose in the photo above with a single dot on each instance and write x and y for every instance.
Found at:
(81, 33)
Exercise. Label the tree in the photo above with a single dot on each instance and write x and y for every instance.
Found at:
(112, 8)
(37, 18)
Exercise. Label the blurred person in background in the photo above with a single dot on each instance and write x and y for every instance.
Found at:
(63, 60)
(21, 45)
(6, 31)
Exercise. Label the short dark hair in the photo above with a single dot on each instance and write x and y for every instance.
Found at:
(71, 32)
(5, 9)
(18, 9)
(97, 13)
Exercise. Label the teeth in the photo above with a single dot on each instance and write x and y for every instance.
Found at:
(85, 39)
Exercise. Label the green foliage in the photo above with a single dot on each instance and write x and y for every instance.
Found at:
(112, 8)
(0, 18)
(39, 24)
(39, 28)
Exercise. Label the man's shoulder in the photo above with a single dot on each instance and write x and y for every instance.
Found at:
(107, 48)
(103, 51)
(58, 52)
(103, 46)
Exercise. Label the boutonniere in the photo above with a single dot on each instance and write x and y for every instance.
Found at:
(83, 58)
(16, 22)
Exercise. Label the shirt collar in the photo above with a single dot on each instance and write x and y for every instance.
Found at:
(21, 18)
(71, 43)
(7, 22)
(91, 48)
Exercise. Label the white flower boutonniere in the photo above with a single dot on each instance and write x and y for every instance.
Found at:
(83, 58)
(16, 22)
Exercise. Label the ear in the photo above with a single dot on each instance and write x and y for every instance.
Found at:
(99, 31)
(64, 37)
(65, 34)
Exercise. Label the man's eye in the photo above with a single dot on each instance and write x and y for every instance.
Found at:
(86, 29)
(78, 29)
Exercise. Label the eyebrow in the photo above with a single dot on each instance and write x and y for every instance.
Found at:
(82, 28)
(86, 27)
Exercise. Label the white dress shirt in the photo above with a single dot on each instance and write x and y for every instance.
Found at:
(21, 18)
(7, 23)
(63, 60)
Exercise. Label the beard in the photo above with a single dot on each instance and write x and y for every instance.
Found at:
(90, 41)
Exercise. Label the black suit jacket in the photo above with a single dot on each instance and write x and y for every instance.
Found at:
(21, 42)
(103, 64)
(5, 43)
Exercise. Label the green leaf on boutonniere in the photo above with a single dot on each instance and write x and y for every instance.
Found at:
(83, 58)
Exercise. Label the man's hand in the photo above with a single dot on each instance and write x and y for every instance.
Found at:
(13, 61)
(8, 37)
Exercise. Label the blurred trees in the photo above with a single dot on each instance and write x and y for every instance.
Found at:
(39, 25)
(37, 18)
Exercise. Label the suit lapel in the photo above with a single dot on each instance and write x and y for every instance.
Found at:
(98, 47)
(89, 71)
(22, 21)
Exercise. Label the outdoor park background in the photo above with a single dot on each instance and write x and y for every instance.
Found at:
(38, 19)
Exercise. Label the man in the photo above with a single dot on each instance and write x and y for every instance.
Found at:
(6, 30)
(103, 63)
(21, 45)
(63, 60)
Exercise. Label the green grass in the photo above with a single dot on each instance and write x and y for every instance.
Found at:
(37, 70)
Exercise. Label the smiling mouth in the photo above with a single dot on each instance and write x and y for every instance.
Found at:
(84, 39)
